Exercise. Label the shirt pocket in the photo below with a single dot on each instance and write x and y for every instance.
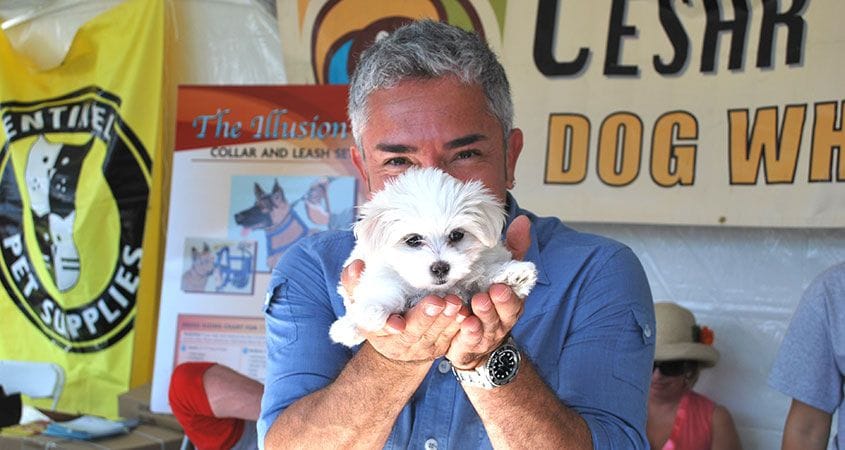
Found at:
(635, 350)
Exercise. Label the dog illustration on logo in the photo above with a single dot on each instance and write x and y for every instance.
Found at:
(52, 175)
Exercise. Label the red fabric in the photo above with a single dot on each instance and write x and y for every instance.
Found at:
(189, 403)
(693, 425)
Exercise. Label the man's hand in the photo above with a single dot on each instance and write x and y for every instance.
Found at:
(422, 334)
(518, 237)
(494, 312)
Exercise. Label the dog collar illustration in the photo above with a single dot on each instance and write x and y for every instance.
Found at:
(230, 266)
(426, 233)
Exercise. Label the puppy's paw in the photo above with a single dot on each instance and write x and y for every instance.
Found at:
(344, 331)
(373, 317)
(521, 276)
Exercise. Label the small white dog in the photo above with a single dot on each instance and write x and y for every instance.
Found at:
(426, 233)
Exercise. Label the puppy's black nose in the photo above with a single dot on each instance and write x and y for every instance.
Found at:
(440, 269)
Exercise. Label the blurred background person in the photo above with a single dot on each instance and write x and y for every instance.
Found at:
(678, 417)
(810, 366)
(216, 406)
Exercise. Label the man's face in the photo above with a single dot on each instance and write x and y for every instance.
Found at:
(436, 123)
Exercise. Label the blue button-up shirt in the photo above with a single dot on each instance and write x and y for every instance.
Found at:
(587, 327)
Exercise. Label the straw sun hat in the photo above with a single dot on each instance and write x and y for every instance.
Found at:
(679, 338)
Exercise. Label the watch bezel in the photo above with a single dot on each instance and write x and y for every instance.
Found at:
(508, 348)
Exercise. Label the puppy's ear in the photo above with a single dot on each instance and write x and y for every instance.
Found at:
(369, 230)
(488, 216)
(493, 221)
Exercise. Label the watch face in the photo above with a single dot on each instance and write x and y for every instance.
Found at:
(503, 365)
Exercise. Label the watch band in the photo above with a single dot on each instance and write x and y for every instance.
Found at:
(499, 369)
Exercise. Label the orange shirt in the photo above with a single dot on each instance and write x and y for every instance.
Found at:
(693, 424)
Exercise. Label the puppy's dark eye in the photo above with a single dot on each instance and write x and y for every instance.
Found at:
(456, 235)
(414, 240)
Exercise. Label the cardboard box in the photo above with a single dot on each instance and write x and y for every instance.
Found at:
(142, 437)
(135, 404)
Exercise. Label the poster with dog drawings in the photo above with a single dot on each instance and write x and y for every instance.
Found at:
(213, 265)
(276, 211)
(255, 168)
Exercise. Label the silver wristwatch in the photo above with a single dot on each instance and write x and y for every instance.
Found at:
(500, 369)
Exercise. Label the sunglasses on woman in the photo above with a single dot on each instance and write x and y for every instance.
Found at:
(671, 368)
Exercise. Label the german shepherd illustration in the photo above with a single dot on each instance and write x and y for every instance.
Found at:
(52, 175)
(272, 213)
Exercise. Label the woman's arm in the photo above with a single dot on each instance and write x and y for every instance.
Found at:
(724, 431)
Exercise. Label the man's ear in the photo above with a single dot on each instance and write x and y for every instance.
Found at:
(515, 140)
(358, 160)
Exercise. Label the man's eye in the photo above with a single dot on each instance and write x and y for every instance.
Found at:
(466, 154)
(455, 236)
(397, 162)
(413, 240)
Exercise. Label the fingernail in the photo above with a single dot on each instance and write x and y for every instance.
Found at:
(499, 293)
(432, 310)
(474, 328)
(451, 309)
(484, 305)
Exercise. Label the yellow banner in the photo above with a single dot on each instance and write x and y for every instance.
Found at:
(76, 176)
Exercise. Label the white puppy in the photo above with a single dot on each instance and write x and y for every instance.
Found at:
(426, 233)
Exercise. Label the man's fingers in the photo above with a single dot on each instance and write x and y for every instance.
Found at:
(485, 310)
(395, 324)
(463, 352)
(422, 316)
(448, 324)
(350, 275)
(508, 305)
(518, 237)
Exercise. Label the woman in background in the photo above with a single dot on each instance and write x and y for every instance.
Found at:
(678, 417)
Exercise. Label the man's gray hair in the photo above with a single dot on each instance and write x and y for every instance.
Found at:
(427, 50)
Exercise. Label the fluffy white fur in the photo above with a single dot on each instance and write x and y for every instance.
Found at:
(423, 222)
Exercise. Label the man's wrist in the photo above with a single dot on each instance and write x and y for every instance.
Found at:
(473, 361)
(387, 363)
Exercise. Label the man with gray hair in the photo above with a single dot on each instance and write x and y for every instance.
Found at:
(567, 367)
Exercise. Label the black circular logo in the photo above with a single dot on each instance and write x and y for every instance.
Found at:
(74, 185)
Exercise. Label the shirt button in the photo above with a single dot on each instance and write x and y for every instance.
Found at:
(431, 444)
(444, 366)
(647, 330)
